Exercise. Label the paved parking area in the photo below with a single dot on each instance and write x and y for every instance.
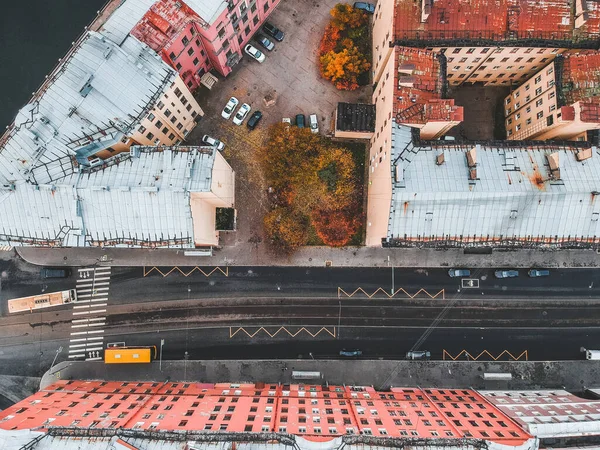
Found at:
(291, 74)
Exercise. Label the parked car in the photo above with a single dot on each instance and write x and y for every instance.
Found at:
(55, 273)
(459, 273)
(350, 353)
(418, 355)
(254, 119)
(213, 142)
(366, 7)
(273, 31)
(314, 123)
(506, 273)
(287, 120)
(241, 114)
(230, 108)
(538, 273)
(300, 120)
(264, 42)
(254, 53)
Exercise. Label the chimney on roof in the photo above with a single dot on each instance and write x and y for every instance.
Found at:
(426, 6)
(406, 69)
(406, 80)
(583, 154)
(553, 162)
(581, 13)
(472, 157)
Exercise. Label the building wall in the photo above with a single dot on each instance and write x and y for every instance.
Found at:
(499, 66)
(232, 30)
(379, 189)
(172, 118)
(186, 53)
(383, 34)
(528, 107)
(205, 204)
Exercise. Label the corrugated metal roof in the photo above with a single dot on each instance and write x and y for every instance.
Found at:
(120, 23)
(143, 199)
(512, 193)
(101, 92)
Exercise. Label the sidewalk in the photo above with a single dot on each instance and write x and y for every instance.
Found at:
(258, 255)
(571, 375)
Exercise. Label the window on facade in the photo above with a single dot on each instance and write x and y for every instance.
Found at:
(196, 62)
(221, 33)
(255, 20)
(245, 18)
(253, 8)
(179, 126)
(538, 79)
(142, 129)
(190, 51)
(159, 124)
(150, 136)
(243, 6)
(172, 56)
(225, 45)
(178, 66)
(539, 115)
(247, 30)
(528, 109)
(167, 113)
(539, 102)
(528, 121)
(267, 6)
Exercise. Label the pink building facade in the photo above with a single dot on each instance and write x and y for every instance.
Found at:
(200, 35)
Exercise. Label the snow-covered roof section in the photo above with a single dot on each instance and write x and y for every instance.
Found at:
(136, 201)
(481, 192)
(209, 10)
(124, 18)
(99, 94)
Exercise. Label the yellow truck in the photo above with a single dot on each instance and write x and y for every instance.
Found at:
(33, 302)
(129, 355)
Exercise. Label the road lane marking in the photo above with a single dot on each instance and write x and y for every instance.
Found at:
(95, 338)
(77, 340)
(93, 349)
(95, 318)
(93, 359)
(83, 325)
(98, 300)
(77, 345)
(95, 331)
(97, 311)
(92, 290)
(79, 320)
(91, 283)
(79, 333)
(82, 355)
(99, 324)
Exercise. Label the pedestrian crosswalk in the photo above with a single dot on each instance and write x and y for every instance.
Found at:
(89, 319)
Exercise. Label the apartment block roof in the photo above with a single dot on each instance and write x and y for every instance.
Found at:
(490, 19)
(138, 200)
(485, 192)
(162, 22)
(318, 413)
(580, 78)
(98, 95)
(549, 414)
(418, 82)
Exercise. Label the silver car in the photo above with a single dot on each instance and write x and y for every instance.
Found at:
(213, 142)
(230, 108)
(241, 114)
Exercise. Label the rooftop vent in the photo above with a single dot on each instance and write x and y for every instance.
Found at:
(86, 85)
(583, 154)
(553, 162)
(440, 159)
(472, 157)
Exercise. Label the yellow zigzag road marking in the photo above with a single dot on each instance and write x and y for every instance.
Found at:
(224, 272)
(381, 290)
(485, 352)
(251, 335)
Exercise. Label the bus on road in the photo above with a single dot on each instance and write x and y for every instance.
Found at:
(41, 301)
(129, 355)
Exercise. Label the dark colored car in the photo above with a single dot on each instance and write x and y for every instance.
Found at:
(300, 121)
(366, 7)
(538, 273)
(273, 31)
(254, 119)
(55, 273)
(350, 353)
(264, 42)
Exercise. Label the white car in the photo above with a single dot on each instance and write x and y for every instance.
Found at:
(230, 108)
(241, 114)
(314, 124)
(254, 53)
(213, 142)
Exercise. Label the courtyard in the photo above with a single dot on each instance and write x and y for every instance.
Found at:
(290, 75)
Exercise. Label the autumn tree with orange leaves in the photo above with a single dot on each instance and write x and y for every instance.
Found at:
(314, 189)
(344, 52)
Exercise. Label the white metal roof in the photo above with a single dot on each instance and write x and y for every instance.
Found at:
(124, 18)
(140, 199)
(100, 92)
(209, 10)
(512, 195)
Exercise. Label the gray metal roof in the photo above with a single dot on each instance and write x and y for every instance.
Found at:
(136, 200)
(124, 18)
(99, 93)
(511, 194)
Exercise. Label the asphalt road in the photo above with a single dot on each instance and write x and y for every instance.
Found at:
(221, 315)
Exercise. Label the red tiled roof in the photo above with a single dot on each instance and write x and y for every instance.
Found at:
(581, 78)
(490, 19)
(418, 100)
